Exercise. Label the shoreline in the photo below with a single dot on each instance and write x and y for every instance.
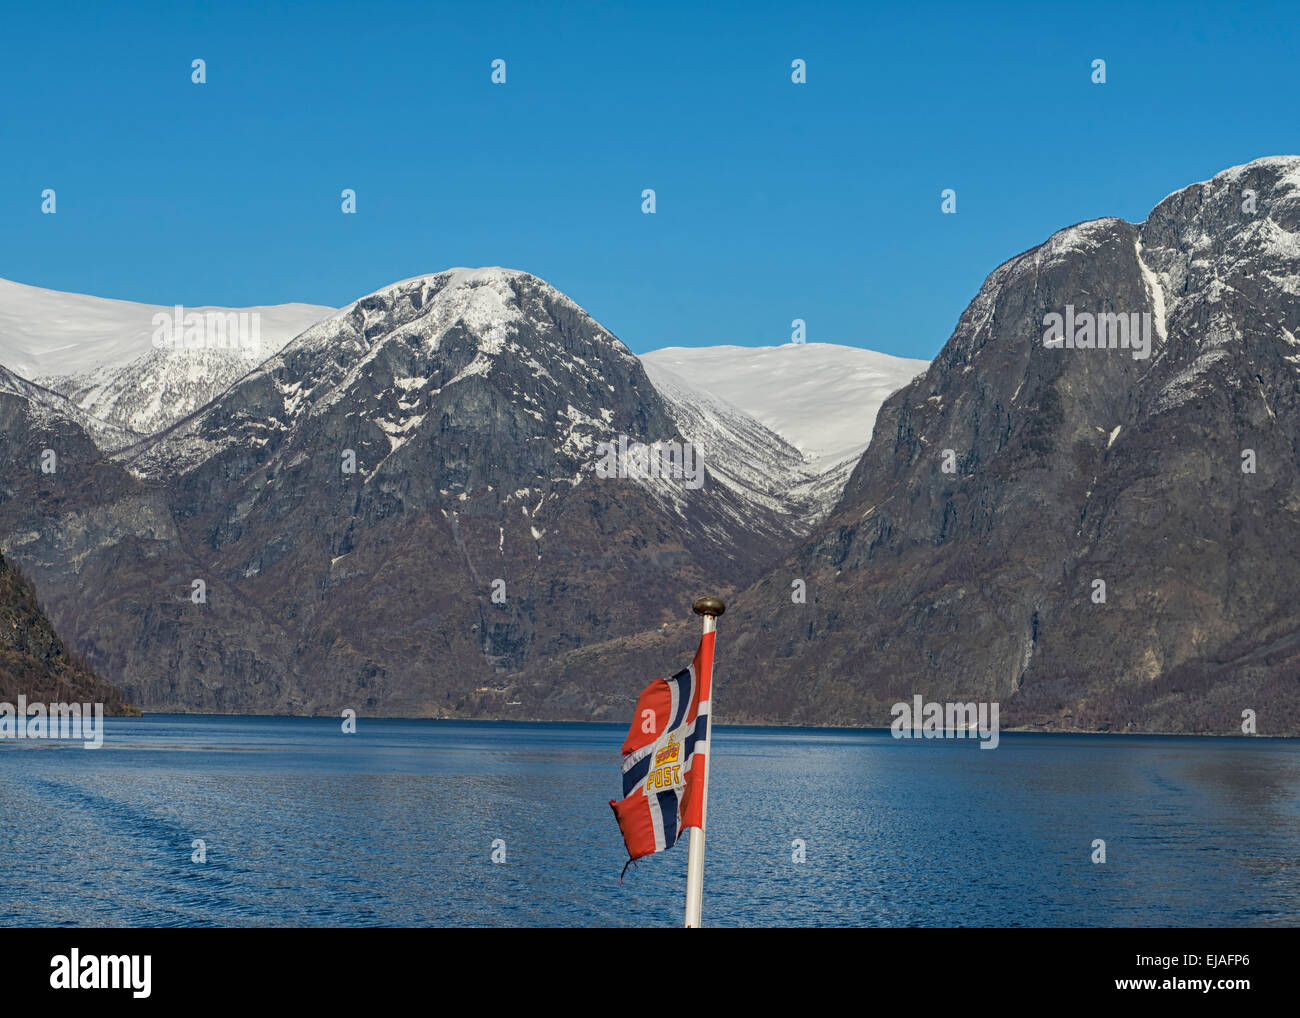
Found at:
(1017, 730)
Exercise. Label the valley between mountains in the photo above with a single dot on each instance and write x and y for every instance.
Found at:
(394, 506)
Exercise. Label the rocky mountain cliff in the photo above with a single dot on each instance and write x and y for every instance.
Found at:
(1172, 479)
(34, 662)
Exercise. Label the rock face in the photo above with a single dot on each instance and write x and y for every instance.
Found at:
(1069, 467)
(33, 660)
(393, 513)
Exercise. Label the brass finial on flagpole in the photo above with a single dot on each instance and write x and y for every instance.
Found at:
(709, 606)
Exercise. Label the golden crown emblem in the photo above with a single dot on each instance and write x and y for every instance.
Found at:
(670, 751)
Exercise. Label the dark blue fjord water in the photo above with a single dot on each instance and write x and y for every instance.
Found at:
(394, 826)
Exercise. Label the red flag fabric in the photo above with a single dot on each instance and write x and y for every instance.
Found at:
(665, 758)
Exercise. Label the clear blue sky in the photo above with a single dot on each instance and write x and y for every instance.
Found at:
(775, 201)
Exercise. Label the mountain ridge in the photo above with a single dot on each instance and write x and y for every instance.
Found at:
(344, 512)
(958, 558)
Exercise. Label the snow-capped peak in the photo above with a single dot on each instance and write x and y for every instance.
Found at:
(405, 344)
(1288, 178)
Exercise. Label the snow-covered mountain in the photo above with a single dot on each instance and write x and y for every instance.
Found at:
(820, 398)
(53, 409)
(355, 503)
(781, 426)
(100, 354)
(351, 498)
(396, 344)
(754, 462)
(384, 360)
(399, 510)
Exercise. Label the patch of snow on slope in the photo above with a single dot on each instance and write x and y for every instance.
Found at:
(1155, 284)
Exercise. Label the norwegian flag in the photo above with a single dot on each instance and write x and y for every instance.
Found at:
(665, 759)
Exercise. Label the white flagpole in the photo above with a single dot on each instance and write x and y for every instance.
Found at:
(710, 608)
